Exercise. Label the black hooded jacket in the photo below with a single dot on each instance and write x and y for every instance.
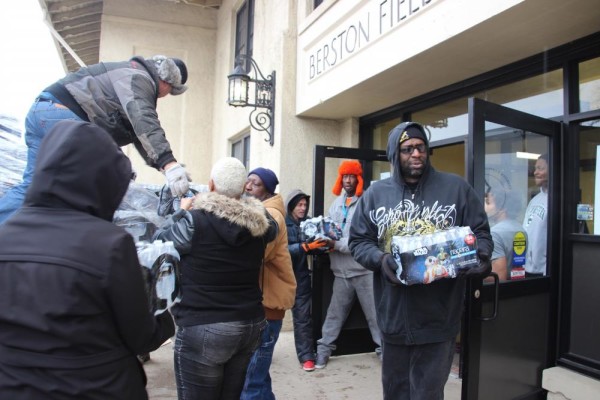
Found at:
(415, 314)
(299, 257)
(74, 310)
(222, 243)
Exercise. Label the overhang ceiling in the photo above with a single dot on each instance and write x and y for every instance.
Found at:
(78, 23)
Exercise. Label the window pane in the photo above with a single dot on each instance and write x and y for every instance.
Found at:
(446, 121)
(246, 159)
(240, 149)
(589, 176)
(250, 38)
(540, 95)
(244, 31)
(381, 132)
(589, 85)
(241, 30)
(237, 150)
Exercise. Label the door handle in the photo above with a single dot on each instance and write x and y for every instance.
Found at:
(496, 297)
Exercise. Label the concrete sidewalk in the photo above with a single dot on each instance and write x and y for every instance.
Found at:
(356, 376)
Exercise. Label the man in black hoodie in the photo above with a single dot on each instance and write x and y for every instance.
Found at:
(74, 308)
(418, 323)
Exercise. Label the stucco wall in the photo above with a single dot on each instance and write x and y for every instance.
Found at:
(200, 125)
(187, 119)
(275, 36)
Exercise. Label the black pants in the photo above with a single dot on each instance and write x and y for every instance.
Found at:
(417, 372)
(301, 314)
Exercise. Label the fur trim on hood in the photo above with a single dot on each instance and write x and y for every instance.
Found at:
(246, 212)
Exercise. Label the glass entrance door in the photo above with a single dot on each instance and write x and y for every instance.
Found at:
(507, 337)
(355, 336)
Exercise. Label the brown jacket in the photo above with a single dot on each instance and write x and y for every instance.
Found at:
(277, 279)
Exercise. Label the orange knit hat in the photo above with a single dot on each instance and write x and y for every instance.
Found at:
(351, 167)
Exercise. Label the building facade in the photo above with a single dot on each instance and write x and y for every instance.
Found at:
(497, 84)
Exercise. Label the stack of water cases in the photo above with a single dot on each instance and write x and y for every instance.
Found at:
(13, 155)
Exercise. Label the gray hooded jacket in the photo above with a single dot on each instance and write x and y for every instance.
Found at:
(121, 98)
(343, 264)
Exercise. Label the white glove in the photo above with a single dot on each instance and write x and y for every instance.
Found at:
(177, 179)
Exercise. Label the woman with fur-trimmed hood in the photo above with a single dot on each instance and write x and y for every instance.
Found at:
(220, 317)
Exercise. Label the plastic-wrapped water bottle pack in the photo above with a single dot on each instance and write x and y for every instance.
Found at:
(423, 259)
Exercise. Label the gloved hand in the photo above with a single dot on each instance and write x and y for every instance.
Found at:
(178, 180)
(482, 270)
(389, 268)
(316, 246)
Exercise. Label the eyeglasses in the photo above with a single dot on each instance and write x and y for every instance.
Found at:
(408, 150)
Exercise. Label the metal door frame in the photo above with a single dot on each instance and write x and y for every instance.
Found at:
(481, 111)
(350, 341)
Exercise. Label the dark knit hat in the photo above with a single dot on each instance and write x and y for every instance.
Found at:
(173, 71)
(401, 133)
(351, 167)
(268, 178)
(413, 132)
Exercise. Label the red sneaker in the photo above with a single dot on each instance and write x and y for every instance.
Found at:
(308, 365)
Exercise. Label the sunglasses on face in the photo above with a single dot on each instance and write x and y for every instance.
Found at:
(408, 150)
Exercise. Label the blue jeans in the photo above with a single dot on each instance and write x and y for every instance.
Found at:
(258, 380)
(41, 118)
(211, 360)
(416, 372)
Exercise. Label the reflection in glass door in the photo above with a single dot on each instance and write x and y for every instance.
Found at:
(516, 200)
(507, 332)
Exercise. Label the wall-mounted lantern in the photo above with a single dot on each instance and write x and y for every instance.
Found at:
(257, 92)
